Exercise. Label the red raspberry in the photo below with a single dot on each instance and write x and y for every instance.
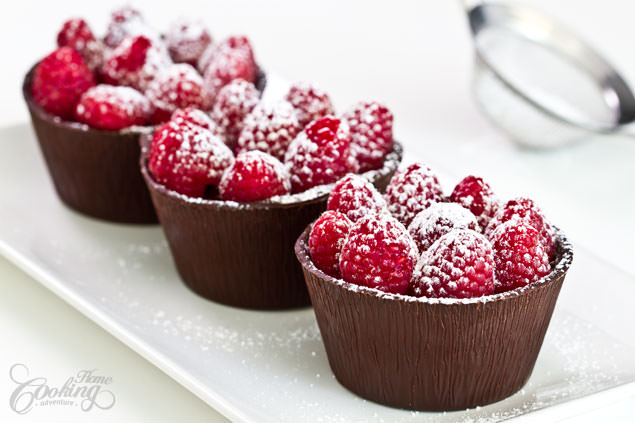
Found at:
(320, 154)
(520, 255)
(59, 81)
(355, 197)
(371, 133)
(76, 34)
(176, 87)
(326, 239)
(186, 40)
(254, 176)
(196, 117)
(135, 62)
(234, 42)
(113, 108)
(187, 159)
(412, 190)
(460, 264)
(309, 102)
(269, 128)
(437, 220)
(126, 22)
(379, 253)
(227, 66)
(525, 209)
(233, 103)
(475, 194)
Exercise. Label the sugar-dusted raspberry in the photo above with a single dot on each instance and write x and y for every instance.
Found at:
(135, 62)
(59, 81)
(519, 253)
(196, 117)
(326, 240)
(125, 22)
(371, 133)
(437, 220)
(233, 42)
(176, 87)
(412, 190)
(320, 154)
(476, 195)
(379, 253)
(254, 176)
(356, 197)
(232, 104)
(187, 158)
(227, 66)
(309, 102)
(76, 34)
(460, 264)
(269, 128)
(186, 40)
(525, 209)
(112, 108)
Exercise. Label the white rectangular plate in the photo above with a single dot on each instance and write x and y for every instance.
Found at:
(270, 366)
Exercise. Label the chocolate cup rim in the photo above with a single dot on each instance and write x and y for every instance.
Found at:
(82, 127)
(391, 163)
(560, 269)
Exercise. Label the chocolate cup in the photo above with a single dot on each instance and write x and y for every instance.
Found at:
(95, 172)
(242, 254)
(432, 354)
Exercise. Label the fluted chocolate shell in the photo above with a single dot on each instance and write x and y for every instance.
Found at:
(427, 354)
(95, 172)
(242, 254)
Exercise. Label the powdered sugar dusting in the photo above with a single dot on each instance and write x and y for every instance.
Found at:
(437, 220)
(356, 197)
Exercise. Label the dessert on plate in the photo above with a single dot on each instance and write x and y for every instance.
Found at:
(235, 188)
(92, 98)
(428, 302)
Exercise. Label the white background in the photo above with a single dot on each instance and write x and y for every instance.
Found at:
(414, 56)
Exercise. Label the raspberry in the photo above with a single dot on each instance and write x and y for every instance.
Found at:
(378, 253)
(371, 133)
(187, 159)
(59, 81)
(475, 194)
(437, 220)
(460, 264)
(520, 255)
(269, 128)
(135, 62)
(254, 176)
(233, 103)
(234, 42)
(326, 239)
(227, 66)
(176, 87)
(525, 209)
(320, 154)
(309, 102)
(113, 108)
(186, 40)
(355, 197)
(196, 117)
(412, 190)
(125, 22)
(76, 34)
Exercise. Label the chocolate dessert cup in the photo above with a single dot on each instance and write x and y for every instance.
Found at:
(95, 172)
(242, 254)
(432, 354)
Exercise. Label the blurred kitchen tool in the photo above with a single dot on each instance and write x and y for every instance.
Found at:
(539, 82)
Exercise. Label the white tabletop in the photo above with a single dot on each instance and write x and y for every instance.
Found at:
(414, 56)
